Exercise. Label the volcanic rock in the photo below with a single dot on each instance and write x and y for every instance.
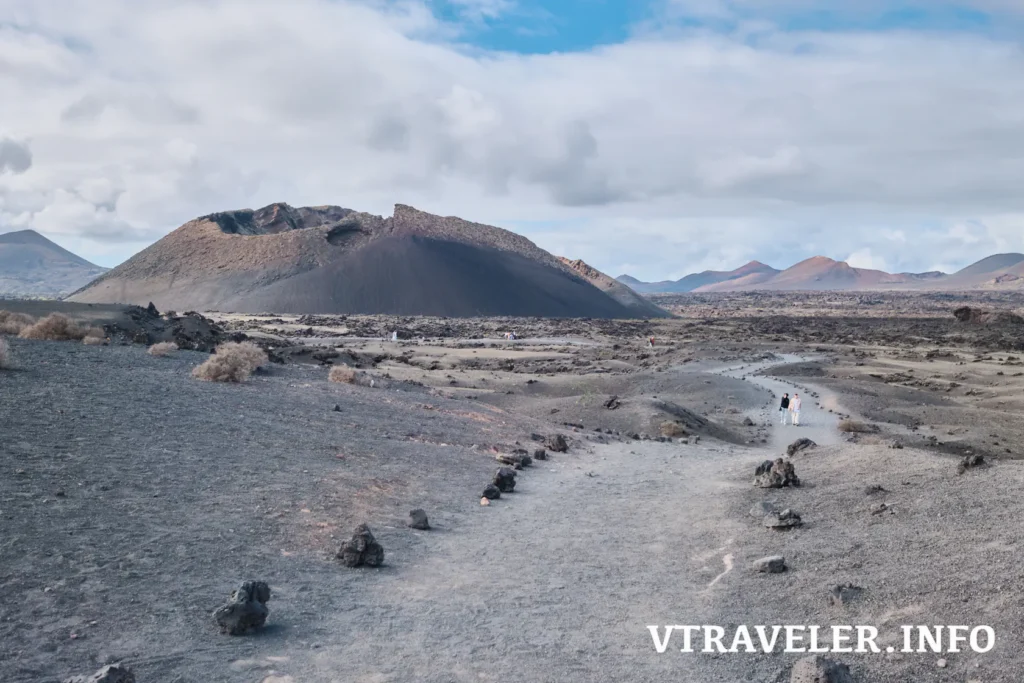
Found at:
(801, 444)
(970, 462)
(246, 609)
(774, 564)
(361, 549)
(540, 454)
(818, 669)
(492, 492)
(775, 474)
(556, 443)
(114, 673)
(786, 519)
(505, 480)
(843, 594)
(418, 519)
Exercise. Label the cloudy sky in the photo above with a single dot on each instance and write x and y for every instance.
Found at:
(654, 137)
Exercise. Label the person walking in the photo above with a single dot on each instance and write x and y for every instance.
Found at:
(794, 405)
(784, 407)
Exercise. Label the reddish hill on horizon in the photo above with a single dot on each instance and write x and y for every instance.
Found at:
(1000, 271)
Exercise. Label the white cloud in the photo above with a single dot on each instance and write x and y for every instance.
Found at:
(680, 151)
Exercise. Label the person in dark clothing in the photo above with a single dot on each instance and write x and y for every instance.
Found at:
(784, 407)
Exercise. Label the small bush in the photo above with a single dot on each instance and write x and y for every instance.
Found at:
(343, 374)
(855, 427)
(14, 323)
(5, 354)
(163, 349)
(54, 327)
(673, 430)
(93, 340)
(231, 362)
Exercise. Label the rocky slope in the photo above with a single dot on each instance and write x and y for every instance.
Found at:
(333, 260)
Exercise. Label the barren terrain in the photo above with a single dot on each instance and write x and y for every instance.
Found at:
(134, 497)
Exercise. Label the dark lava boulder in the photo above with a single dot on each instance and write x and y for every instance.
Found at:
(505, 480)
(492, 492)
(556, 443)
(418, 519)
(775, 474)
(362, 549)
(246, 609)
(801, 444)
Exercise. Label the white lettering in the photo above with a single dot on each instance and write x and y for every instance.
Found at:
(866, 637)
(838, 638)
(792, 638)
(955, 637)
(713, 636)
(990, 639)
(687, 632)
(925, 634)
(742, 634)
(660, 645)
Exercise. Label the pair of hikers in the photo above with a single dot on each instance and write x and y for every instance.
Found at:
(790, 405)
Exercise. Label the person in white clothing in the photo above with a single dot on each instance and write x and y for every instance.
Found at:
(794, 407)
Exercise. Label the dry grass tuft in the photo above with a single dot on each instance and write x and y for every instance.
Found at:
(54, 327)
(5, 354)
(93, 340)
(163, 349)
(14, 323)
(673, 430)
(855, 427)
(231, 362)
(343, 374)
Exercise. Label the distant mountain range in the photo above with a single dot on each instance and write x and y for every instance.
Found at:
(32, 266)
(1001, 271)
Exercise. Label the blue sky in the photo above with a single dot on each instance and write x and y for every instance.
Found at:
(654, 137)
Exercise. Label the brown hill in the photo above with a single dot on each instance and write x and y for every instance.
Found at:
(333, 260)
(32, 266)
(616, 290)
(817, 273)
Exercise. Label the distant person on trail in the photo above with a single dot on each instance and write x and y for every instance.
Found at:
(784, 407)
(651, 342)
(794, 405)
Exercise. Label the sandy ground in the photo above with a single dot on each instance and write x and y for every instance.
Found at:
(134, 498)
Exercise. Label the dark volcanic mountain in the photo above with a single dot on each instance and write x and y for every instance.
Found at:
(333, 260)
(33, 266)
(643, 308)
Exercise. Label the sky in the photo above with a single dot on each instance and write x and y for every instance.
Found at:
(649, 137)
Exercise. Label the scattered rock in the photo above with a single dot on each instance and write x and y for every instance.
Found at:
(843, 594)
(505, 480)
(492, 492)
(970, 462)
(246, 609)
(115, 673)
(361, 549)
(517, 459)
(337, 408)
(540, 454)
(556, 443)
(775, 564)
(761, 509)
(747, 422)
(612, 403)
(485, 501)
(787, 519)
(818, 669)
(896, 444)
(874, 489)
(801, 444)
(881, 508)
(418, 519)
(775, 475)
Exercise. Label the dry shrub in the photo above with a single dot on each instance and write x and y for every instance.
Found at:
(14, 323)
(343, 374)
(673, 430)
(163, 349)
(93, 340)
(54, 327)
(5, 354)
(231, 362)
(855, 427)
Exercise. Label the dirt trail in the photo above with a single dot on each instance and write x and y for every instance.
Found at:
(557, 581)
(816, 423)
